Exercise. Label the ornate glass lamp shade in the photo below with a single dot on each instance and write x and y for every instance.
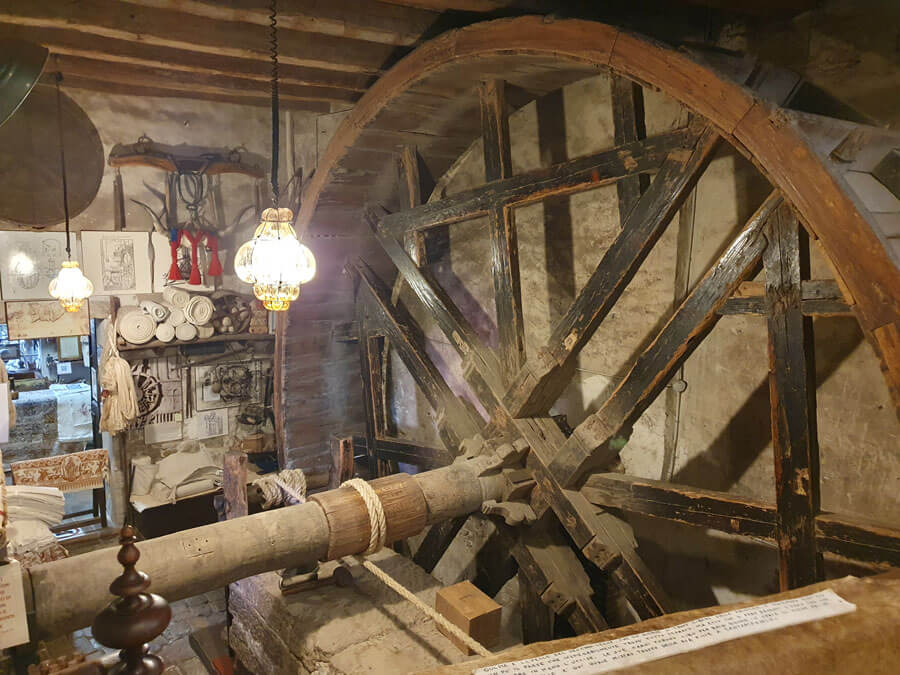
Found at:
(275, 261)
(71, 287)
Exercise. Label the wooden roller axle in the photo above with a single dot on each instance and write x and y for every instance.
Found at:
(65, 595)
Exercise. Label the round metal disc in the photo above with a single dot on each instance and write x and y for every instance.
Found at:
(30, 177)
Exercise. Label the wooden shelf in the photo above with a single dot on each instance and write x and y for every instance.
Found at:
(159, 344)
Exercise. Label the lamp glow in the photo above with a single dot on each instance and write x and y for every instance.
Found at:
(71, 287)
(275, 261)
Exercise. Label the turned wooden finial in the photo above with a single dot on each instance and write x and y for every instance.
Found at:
(133, 619)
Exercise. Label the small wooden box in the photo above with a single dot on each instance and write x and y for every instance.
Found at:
(473, 611)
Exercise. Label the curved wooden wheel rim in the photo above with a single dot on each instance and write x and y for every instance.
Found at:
(751, 124)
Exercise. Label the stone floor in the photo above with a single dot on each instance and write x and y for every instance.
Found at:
(173, 645)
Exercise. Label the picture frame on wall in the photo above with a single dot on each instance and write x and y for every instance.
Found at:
(117, 262)
(30, 320)
(68, 348)
(29, 261)
(225, 385)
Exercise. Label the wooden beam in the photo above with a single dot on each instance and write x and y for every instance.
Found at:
(171, 28)
(541, 381)
(447, 316)
(537, 618)
(342, 458)
(565, 178)
(887, 171)
(70, 43)
(402, 330)
(820, 297)
(504, 241)
(120, 89)
(628, 126)
(162, 78)
(365, 369)
(851, 538)
(600, 437)
(357, 19)
(435, 543)
(792, 400)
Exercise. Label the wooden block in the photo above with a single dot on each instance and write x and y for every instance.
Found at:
(473, 611)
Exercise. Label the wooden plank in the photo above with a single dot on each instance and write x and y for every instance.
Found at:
(600, 437)
(627, 99)
(537, 618)
(543, 378)
(821, 297)
(362, 318)
(358, 19)
(238, 98)
(163, 78)
(398, 450)
(792, 400)
(126, 51)
(504, 242)
(495, 131)
(557, 575)
(435, 543)
(574, 175)
(447, 316)
(848, 537)
(278, 390)
(341, 460)
(401, 329)
(234, 484)
(169, 27)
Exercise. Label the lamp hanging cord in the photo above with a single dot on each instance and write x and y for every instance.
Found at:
(273, 50)
(62, 162)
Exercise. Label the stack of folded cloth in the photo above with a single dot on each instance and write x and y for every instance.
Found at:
(32, 511)
(30, 502)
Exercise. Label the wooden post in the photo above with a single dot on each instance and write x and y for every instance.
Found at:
(792, 400)
(537, 618)
(504, 244)
(234, 484)
(342, 460)
(628, 126)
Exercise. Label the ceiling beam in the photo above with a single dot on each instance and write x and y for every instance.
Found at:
(357, 19)
(172, 28)
(119, 89)
(161, 78)
(73, 43)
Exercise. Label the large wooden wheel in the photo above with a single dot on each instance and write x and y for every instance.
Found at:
(429, 107)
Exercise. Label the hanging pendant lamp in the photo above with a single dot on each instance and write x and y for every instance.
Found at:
(70, 286)
(274, 261)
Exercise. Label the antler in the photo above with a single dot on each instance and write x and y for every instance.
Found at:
(159, 219)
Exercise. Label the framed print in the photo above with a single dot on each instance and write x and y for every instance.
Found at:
(29, 261)
(44, 319)
(68, 348)
(226, 384)
(117, 262)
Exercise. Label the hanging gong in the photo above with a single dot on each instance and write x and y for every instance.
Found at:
(29, 160)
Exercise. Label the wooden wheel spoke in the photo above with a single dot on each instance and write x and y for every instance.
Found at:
(727, 512)
(628, 126)
(504, 244)
(792, 401)
(542, 380)
(400, 328)
(600, 437)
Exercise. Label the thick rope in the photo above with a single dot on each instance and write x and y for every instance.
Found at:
(377, 536)
(120, 405)
(277, 488)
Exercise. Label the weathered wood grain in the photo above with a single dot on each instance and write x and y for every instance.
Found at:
(849, 537)
(792, 400)
(600, 437)
(544, 377)
(627, 100)
(574, 175)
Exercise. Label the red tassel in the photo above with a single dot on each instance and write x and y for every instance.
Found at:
(195, 279)
(174, 243)
(215, 267)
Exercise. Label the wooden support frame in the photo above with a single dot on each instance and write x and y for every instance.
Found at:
(627, 99)
(792, 391)
(851, 538)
